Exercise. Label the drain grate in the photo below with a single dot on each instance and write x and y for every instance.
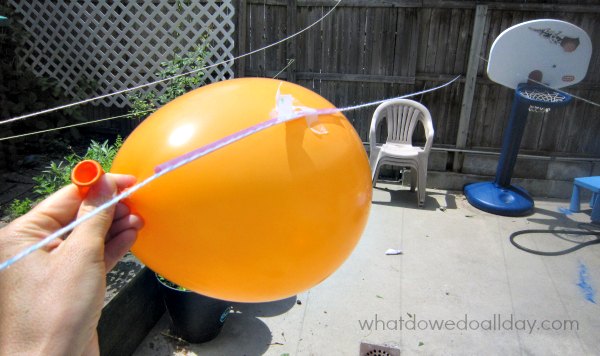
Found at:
(367, 349)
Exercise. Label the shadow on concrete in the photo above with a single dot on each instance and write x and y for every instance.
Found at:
(243, 333)
(567, 234)
(404, 198)
(449, 198)
(575, 239)
(266, 309)
(556, 219)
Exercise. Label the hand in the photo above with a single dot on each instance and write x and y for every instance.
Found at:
(51, 300)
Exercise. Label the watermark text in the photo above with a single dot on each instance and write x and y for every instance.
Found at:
(497, 322)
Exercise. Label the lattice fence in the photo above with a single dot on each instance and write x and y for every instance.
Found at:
(120, 44)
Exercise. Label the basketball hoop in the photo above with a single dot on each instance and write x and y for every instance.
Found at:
(541, 99)
(554, 52)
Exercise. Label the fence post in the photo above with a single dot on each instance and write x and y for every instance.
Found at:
(470, 82)
(291, 44)
(241, 36)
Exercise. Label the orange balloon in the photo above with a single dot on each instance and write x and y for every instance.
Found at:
(261, 219)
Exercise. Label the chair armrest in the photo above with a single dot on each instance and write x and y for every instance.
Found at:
(375, 119)
(429, 133)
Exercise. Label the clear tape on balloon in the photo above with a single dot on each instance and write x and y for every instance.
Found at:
(286, 111)
(285, 108)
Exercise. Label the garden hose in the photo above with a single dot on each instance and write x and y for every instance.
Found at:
(556, 253)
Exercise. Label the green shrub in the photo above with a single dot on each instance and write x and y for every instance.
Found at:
(141, 103)
(19, 207)
(168, 283)
(58, 174)
(103, 153)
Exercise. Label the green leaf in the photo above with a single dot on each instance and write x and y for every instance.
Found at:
(178, 64)
(19, 207)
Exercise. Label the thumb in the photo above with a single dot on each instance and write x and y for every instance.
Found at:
(88, 238)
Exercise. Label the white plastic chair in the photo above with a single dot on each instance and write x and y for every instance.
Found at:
(402, 117)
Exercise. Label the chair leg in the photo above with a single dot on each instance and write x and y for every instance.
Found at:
(422, 186)
(373, 162)
(375, 173)
(413, 178)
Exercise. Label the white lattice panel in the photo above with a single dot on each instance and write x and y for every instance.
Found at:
(120, 44)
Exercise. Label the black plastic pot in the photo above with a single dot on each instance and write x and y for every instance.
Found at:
(195, 318)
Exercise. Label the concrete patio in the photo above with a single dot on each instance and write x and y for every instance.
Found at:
(458, 271)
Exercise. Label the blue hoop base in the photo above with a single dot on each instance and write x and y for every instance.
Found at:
(494, 199)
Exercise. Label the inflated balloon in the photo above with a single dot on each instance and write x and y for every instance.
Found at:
(261, 219)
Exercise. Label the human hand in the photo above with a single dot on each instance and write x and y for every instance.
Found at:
(50, 302)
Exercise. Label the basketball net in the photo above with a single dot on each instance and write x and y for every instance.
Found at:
(543, 96)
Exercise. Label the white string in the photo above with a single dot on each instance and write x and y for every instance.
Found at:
(169, 168)
(142, 112)
(38, 113)
(360, 106)
(74, 125)
(290, 62)
(22, 117)
(146, 111)
(565, 93)
(558, 90)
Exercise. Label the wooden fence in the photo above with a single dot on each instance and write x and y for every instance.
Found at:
(374, 49)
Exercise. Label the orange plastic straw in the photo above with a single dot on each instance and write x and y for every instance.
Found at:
(85, 174)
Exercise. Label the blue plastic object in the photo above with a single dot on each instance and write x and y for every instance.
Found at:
(507, 201)
(593, 185)
(500, 197)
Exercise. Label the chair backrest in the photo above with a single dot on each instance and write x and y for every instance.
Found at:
(402, 117)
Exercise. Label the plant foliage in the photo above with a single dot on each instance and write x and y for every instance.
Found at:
(58, 173)
(143, 103)
(170, 284)
(19, 207)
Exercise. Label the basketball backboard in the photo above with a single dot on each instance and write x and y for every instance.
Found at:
(553, 52)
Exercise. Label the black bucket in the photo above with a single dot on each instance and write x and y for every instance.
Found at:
(195, 318)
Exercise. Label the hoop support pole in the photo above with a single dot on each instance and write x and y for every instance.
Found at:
(512, 141)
